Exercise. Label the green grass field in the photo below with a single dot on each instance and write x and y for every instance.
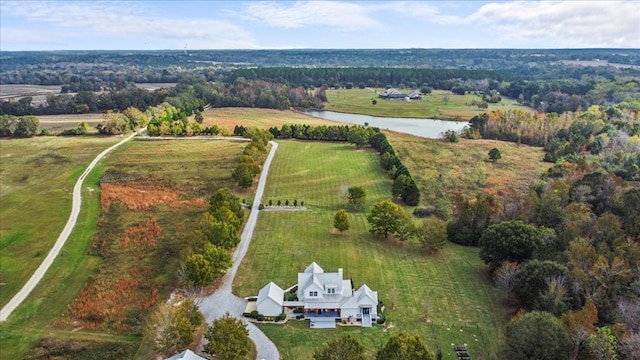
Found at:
(433, 106)
(37, 177)
(453, 282)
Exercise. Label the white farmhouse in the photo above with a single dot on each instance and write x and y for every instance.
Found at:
(324, 298)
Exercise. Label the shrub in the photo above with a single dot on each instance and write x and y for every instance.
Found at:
(260, 317)
(424, 211)
(282, 316)
(254, 314)
(381, 319)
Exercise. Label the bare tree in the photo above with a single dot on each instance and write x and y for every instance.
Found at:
(505, 278)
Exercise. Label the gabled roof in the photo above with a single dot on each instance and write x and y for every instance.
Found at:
(271, 291)
(365, 293)
(306, 279)
(314, 269)
(186, 355)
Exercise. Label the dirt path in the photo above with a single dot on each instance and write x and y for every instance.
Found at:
(19, 297)
(223, 301)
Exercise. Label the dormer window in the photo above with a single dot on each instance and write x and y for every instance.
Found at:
(331, 290)
(313, 293)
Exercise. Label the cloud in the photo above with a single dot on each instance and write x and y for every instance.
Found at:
(331, 14)
(125, 20)
(566, 23)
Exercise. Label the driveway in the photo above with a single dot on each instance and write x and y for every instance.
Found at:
(223, 301)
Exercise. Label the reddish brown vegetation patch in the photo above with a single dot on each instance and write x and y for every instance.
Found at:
(124, 287)
(142, 235)
(107, 302)
(138, 196)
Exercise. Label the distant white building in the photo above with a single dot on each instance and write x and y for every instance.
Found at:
(324, 298)
(186, 355)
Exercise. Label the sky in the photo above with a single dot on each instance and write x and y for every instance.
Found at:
(390, 24)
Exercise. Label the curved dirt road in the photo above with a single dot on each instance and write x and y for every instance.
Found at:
(223, 301)
(19, 297)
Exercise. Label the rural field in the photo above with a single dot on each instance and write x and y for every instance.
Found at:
(145, 193)
(57, 123)
(465, 167)
(433, 106)
(463, 307)
(228, 118)
(37, 176)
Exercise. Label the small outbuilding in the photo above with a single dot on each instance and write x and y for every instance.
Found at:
(270, 299)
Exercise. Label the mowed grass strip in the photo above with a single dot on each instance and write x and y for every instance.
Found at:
(453, 282)
(37, 176)
(440, 104)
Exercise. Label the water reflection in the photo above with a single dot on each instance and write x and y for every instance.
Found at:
(428, 128)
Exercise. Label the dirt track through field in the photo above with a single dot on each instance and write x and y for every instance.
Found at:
(21, 295)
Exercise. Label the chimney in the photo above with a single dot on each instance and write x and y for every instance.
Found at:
(340, 273)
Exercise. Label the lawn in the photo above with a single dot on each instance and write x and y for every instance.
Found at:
(37, 176)
(440, 104)
(462, 304)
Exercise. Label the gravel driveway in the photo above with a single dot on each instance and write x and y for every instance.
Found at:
(223, 301)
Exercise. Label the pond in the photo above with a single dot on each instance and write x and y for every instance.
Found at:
(427, 128)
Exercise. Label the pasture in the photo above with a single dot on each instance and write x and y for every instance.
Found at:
(440, 104)
(58, 123)
(37, 177)
(228, 118)
(440, 167)
(452, 285)
(166, 180)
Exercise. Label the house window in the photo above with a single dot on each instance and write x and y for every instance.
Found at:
(313, 293)
(331, 291)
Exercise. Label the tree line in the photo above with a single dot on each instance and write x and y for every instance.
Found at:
(568, 255)
(606, 138)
